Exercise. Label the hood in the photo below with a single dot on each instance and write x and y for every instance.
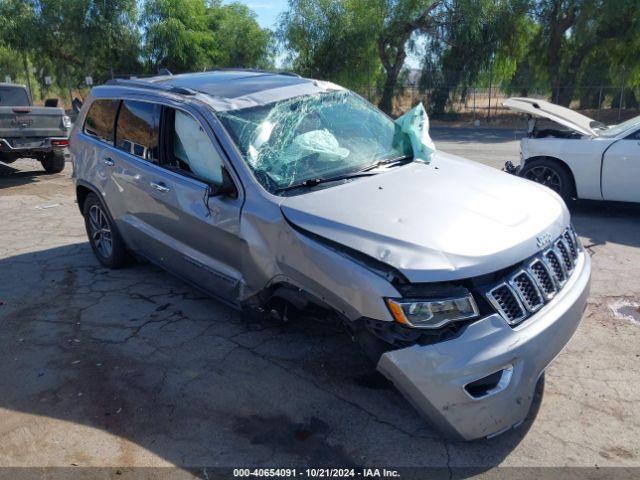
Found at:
(562, 115)
(446, 220)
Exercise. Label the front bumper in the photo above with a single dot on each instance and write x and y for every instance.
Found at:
(433, 377)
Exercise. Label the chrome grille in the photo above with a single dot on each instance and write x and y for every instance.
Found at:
(571, 243)
(543, 276)
(506, 301)
(565, 254)
(553, 260)
(525, 291)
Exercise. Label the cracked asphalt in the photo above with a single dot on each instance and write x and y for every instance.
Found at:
(135, 368)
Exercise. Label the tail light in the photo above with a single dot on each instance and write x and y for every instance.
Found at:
(60, 142)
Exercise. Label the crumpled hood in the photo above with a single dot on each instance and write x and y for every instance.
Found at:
(447, 220)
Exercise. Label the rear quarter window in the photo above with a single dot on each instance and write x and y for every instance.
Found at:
(137, 130)
(101, 120)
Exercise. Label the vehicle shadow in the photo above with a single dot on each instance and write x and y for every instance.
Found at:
(14, 177)
(146, 358)
(603, 222)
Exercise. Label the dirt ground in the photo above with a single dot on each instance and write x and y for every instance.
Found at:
(134, 368)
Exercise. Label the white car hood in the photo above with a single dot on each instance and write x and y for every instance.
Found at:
(562, 115)
(447, 220)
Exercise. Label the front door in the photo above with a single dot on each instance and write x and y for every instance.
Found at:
(621, 170)
(172, 218)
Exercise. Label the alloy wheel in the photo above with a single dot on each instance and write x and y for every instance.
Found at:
(100, 231)
(545, 176)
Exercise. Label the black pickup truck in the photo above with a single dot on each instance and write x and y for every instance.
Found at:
(28, 131)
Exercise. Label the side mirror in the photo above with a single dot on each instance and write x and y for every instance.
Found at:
(51, 102)
(227, 188)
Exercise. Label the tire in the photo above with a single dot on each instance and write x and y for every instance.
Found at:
(53, 162)
(6, 159)
(551, 174)
(104, 238)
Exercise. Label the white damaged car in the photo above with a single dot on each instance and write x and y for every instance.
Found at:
(577, 156)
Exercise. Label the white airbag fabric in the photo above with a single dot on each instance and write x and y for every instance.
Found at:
(415, 124)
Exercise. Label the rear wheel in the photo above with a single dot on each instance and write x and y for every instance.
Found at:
(53, 162)
(550, 174)
(105, 240)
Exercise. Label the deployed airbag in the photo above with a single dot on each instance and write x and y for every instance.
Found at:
(415, 124)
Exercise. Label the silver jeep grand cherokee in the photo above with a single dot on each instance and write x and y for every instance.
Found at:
(279, 192)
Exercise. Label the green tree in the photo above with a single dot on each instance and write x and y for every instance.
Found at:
(332, 40)
(573, 30)
(240, 40)
(353, 42)
(74, 38)
(480, 36)
(400, 20)
(191, 35)
(177, 36)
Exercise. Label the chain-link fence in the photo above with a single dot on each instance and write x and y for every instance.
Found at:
(608, 104)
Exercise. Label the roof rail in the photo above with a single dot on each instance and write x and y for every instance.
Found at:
(256, 70)
(150, 85)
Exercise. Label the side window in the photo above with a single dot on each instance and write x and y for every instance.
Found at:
(191, 149)
(634, 136)
(137, 130)
(100, 120)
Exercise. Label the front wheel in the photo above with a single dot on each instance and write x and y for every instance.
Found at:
(550, 174)
(53, 162)
(105, 240)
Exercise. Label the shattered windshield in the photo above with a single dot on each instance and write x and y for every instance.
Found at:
(313, 137)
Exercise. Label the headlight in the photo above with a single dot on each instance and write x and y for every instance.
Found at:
(66, 122)
(432, 313)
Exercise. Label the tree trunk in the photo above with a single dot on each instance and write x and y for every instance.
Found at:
(388, 92)
(26, 72)
(438, 100)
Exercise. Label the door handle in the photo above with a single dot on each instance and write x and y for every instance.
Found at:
(161, 187)
(108, 161)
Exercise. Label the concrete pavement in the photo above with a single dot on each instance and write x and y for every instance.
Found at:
(134, 368)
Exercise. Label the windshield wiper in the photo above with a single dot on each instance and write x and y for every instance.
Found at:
(403, 159)
(364, 172)
(312, 182)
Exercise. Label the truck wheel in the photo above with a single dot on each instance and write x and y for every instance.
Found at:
(6, 159)
(53, 162)
(550, 174)
(105, 240)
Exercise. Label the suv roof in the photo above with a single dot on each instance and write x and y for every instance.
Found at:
(230, 83)
(229, 89)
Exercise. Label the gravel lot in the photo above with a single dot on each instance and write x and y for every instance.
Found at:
(135, 368)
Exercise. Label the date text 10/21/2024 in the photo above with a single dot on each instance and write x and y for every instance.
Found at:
(316, 472)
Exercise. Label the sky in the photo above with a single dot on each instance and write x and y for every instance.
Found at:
(267, 11)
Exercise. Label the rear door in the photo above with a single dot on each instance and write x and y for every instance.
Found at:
(170, 160)
(94, 156)
(621, 170)
(131, 165)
